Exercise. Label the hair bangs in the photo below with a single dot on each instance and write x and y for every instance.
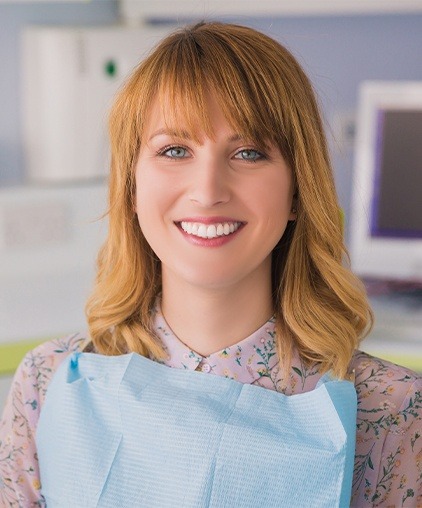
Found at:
(244, 102)
(181, 89)
(196, 64)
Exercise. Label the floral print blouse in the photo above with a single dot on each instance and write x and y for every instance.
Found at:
(388, 458)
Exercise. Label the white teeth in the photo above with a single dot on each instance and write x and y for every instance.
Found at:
(202, 231)
(210, 231)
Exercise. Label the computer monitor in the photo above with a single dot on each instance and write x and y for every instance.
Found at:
(386, 222)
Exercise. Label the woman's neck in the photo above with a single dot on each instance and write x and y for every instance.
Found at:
(209, 320)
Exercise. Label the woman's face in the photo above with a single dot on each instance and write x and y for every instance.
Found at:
(212, 211)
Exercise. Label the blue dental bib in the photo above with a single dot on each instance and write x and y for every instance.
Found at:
(128, 432)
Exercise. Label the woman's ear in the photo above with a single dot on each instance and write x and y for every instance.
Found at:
(293, 209)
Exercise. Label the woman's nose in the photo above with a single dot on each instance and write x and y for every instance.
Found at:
(210, 184)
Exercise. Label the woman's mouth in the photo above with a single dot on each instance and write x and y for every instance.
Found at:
(210, 230)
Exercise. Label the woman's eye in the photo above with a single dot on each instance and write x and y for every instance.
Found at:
(175, 152)
(249, 154)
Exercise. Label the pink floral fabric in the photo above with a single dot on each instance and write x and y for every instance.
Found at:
(388, 459)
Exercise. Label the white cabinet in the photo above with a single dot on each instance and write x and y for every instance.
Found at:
(69, 78)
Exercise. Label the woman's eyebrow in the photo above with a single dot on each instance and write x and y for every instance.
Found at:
(185, 135)
(236, 137)
(170, 132)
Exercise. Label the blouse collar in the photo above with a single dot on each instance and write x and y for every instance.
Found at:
(246, 361)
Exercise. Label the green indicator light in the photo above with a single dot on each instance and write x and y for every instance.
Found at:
(110, 68)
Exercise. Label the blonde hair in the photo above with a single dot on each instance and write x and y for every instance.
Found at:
(320, 306)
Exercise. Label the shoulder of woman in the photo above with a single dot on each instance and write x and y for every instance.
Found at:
(389, 395)
(40, 364)
(372, 369)
(383, 379)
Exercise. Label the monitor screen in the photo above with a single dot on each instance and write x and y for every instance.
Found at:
(397, 196)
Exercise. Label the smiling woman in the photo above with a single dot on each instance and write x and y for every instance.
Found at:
(254, 93)
(221, 367)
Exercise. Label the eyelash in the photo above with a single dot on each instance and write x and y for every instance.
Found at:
(162, 151)
(260, 155)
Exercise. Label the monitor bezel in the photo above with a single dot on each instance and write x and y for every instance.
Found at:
(397, 258)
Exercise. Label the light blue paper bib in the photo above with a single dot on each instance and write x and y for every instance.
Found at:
(128, 432)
